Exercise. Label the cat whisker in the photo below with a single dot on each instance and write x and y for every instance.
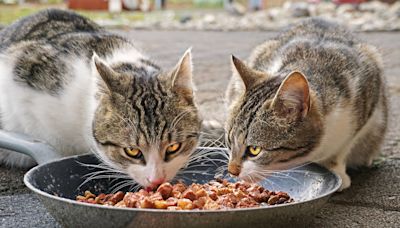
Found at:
(272, 183)
(194, 172)
(197, 156)
(267, 173)
(180, 176)
(109, 177)
(97, 166)
(296, 171)
(279, 175)
(102, 171)
(213, 142)
(199, 165)
(125, 184)
(134, 188)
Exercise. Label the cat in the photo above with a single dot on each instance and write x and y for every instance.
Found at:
(315, 93)
(67, 81)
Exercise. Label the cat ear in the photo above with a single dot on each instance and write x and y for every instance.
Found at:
(249, 76)
(292, 100)
(182, 75)
(109, 76)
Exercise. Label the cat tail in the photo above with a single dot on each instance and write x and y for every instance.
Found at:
(212, 134)
(13, 159)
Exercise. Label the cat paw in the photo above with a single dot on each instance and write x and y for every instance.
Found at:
(346, 181)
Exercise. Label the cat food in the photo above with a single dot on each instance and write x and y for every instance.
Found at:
(214, 195)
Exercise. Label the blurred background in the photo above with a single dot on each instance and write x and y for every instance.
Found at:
(361, 15)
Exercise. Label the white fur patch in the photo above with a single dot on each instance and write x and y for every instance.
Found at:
(129, 55)
(64, 120)
(339, 130)
(247, 171)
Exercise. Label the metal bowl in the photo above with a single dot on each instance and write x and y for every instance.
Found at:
(58, 183)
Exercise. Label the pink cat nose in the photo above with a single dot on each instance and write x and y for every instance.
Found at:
(157, 182)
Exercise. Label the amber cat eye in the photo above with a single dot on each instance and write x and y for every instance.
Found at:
(133, 153)
(253, 151)
(173, 148)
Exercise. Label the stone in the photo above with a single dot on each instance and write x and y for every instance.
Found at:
(185, 18)
(374, 6)
(297, 9)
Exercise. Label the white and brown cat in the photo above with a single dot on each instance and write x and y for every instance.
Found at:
(313, 94)
(138, 119)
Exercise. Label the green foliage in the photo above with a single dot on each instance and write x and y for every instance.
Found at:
(10, 14)
(208, 3)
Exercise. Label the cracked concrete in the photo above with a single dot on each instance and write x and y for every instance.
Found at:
(374, 197)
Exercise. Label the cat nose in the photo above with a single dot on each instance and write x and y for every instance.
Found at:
(157, 182)
(234, 170)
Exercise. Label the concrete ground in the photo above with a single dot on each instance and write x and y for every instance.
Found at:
(374, 197)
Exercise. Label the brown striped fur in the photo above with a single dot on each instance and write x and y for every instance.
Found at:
(54, 87)
(315, 93)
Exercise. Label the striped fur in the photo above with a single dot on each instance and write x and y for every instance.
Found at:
(313, 94)
(67, 81)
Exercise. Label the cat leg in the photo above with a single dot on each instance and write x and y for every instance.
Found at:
(362, 148)
(367, 143)
(366, 148)
(337, 164)
(369, 138)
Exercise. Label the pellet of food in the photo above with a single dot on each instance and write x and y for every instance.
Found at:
(215, 195)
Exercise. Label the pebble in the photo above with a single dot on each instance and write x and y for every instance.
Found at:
(368, 16)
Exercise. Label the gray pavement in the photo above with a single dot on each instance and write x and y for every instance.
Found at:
(372, 201)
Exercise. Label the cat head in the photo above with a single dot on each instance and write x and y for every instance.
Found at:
(273, 125)
(146, 123)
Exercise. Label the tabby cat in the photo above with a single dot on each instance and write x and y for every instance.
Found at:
(315, 93)
(65, 80)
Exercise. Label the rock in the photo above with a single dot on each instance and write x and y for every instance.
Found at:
(395, 9)
(185, 18)
(209, 19)
(324, 8)
(236, 9)
(374, 6)
(297, 9)
(274, 13)
(345, 8)
(368, 16)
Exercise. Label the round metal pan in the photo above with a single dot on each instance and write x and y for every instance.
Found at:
(58, 181)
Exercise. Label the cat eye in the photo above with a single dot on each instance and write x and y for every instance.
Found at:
(133, 153)
(173, 148)
(253, 151)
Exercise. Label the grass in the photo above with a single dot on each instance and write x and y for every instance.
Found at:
(9, 14)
